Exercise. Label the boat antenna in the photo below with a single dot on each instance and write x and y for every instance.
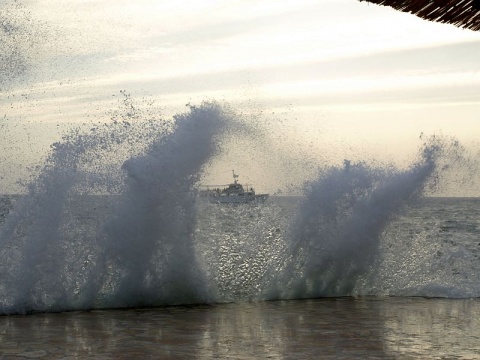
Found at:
(235, 177)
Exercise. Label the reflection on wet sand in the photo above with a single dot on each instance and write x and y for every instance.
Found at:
(341, 328)
(433, 328)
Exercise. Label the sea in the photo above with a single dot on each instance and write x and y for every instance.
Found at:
(109, 253)
(248, 284)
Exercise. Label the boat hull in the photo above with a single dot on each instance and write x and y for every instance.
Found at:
(254, 199)
(233, 193)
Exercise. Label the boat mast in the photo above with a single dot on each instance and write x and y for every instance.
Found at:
(235, 177)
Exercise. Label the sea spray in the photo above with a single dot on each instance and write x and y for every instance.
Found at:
(150, 239)
(334, 243)
(433, 250)
(17, 42)
(47, 259)
(138, 249)
(113, 221)
(240, 245)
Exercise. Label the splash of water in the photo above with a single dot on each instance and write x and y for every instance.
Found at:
(151, 236)
(334, 244)
(140, 243)
(112, 219)
(20, 43)
(141, 253)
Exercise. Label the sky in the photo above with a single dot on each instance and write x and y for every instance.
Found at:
(341, 78)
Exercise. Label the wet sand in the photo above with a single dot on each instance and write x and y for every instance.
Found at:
(341, 328)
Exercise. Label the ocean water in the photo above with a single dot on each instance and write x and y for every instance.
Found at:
(417, 300)
(112, 220)
(333, 328)
(95, 230)
(111, 228)
(108, 253)
(244, 253)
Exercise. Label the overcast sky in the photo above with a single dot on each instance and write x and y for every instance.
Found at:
(347, 75)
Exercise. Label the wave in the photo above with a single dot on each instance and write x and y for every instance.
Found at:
(147, 241)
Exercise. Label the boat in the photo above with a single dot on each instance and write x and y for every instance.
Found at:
(233, 193)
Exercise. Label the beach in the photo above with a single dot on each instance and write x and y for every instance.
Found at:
(330, 328)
